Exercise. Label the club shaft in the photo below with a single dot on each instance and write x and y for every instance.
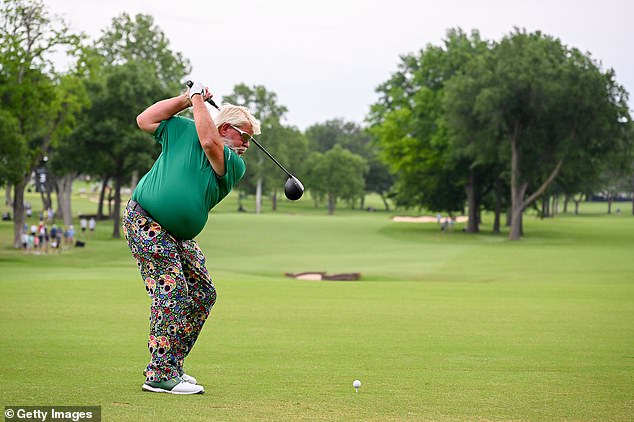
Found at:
(271, 157)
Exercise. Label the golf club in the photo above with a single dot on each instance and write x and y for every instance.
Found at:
(293, 188)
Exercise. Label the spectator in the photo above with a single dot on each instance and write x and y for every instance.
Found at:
(83, 223)
(69, 235)
(44, 237)
(40, 233)
(30, 245)
(55, 237)
(25, 241)
(91, 225)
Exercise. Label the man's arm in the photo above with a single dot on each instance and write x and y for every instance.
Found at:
(210, 139)
(150, 119)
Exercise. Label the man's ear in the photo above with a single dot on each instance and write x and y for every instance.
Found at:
(222, 130)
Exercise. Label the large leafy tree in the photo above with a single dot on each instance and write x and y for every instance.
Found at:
(471, 143)
(410, 125)
(138, 39)
(35, 97)
(63, 156)
(12, 150)
(544, 104)
(351, 136)
(336, 174)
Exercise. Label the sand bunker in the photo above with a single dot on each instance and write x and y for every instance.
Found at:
(322, 275)
(426, 219)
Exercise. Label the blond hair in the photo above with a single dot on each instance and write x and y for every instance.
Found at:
(237, 116)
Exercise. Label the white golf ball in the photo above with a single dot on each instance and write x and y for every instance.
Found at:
(356, 384)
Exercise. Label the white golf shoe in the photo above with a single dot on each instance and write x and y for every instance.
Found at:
(173, 386)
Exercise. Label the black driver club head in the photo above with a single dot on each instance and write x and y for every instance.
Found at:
(293, 189)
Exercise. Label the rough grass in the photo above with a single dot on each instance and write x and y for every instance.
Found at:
(442, 326)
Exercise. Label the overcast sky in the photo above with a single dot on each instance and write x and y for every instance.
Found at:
(324, 58)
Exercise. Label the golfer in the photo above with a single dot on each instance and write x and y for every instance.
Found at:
(199, 164)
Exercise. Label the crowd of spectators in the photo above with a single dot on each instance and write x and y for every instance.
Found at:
(46, 236)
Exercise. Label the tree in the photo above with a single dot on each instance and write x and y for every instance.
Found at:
(296, 146)
(336, 174)
(472, 144)
(13, 151)
(378, 179)
(139, 40)
(63, 157)
(323, 136)
(549, 104)
(28, 37)
(351, 136)
(410, 125)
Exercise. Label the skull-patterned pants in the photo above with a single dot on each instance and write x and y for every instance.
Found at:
(182, 292)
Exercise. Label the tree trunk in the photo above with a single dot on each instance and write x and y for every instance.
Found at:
(498, 204)
(18, 212)
(331, 203)
(64, 191)
(515, 231)
(258, 196)
(241, 195)
(518, 203)
(566, 201)
(517, 193)
(274, 201)
(609, 203)
(385, 203)
(116, 214)
(472, 205)
(134, 180)
(101, 197)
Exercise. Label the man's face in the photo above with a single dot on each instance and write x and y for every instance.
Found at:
(237, 137)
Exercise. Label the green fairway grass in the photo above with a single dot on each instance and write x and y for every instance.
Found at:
(442, 326)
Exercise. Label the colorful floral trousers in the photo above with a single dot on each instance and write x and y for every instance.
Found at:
(181, 289)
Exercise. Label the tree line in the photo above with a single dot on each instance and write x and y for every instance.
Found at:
(475, 124)
(497, 125)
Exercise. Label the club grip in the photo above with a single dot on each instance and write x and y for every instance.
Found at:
(209, 100)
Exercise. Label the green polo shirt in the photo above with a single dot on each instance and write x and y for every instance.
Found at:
(181, 187)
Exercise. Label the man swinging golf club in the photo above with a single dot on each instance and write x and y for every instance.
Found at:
(199, 164)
